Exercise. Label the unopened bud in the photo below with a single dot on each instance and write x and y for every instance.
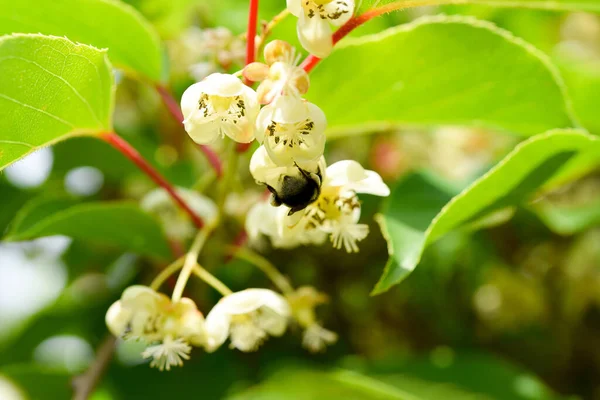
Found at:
(301, 81)
(266, 92)
(256, 71)
(277, 50)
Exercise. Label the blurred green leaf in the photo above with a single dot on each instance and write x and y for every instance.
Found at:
(569, 219)
(117, 224)
(449, 375)
(559, 5)
(496, 81)
(416, 215)
(131, 41)
(51, 89)
(300, 384)
(38, 383)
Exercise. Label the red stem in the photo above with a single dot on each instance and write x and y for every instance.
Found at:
(251, 33)
(128, 151)
(311, 61)
(175, 111)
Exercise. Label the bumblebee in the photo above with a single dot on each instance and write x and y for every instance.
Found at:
(297, 188)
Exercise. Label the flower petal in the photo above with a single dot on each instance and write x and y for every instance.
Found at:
(339, 11)
(315, 35)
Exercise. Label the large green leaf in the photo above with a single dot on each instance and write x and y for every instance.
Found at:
(558, 5)
(50, 89)
(131, 41)
(300, 384)
(418, 214)
(440, 70)
(117, 224)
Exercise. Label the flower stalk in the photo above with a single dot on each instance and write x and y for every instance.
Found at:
(280, 281)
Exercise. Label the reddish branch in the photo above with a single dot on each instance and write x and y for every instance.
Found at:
(128, 151)
(311, 61)
(175, 111)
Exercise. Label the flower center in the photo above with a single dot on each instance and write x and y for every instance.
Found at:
(228, 108)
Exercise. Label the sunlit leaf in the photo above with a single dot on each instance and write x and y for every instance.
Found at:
(131, 41)
(50, 89)
(440, 70)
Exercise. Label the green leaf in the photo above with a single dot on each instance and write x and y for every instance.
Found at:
(50, 89)
(38, 383)
(117, 224)
(292, 384)
(569, 219)
(416, 215)
(131, 41)
(424, 73)
(558, 5)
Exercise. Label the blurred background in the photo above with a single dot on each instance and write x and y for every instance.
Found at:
(509, 312)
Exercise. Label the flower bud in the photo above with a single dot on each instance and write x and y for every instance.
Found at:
(278, 50)
(256, 71)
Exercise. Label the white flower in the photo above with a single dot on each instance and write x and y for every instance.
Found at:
(295, 186)
(169, 328)
(247, 317)
(314, 17)
(292, 131)
(303, 302)
(175, 221)
(219, 105)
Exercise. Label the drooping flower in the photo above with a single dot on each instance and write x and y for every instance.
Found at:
(168, 328)
(217, 106)
(247, 318)
(314, 19)
(176, 222)
(292, 131)
(296, 186)
(303, 302)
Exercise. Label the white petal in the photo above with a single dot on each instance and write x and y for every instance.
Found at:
(272, 322)
(264, 170)
(261, 219)
(224, 85)
(351, 175)
(315, 35)
(190, 98)
(339, 11)
(204, 131)
(241, 132)
(249, 300)
(216, 326)
(117, 318)
(295, 7)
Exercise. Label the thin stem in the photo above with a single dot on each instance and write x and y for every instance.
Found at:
(251, 33)
(85, 384)
(209, 278)
(269, 27)
(166, 273)
(311, 61)
(128, 151)
(174, 110)
(265, 266)
(191, 259)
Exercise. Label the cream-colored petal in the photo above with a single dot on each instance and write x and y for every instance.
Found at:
(117, 318)
(249, 300)
(272, 322)
(339, 11)
(295, 7)
(191, 97)
(350, 175)
(224, 85)
(315, 35)
(216, 326)
(203, 132)
(241, 132)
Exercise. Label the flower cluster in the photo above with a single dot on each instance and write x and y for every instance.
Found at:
(334, 214)
(170, 328)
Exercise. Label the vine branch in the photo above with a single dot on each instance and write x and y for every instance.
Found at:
(85, 384)
(132, 154)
